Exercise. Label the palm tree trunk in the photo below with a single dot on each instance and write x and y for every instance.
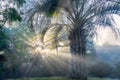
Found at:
(77, 68)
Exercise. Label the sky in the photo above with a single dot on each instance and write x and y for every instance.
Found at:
(106, 36)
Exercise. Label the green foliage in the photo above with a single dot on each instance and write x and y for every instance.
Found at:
(3, 39)
(101, 79)
(19, 37)
(50, 7)
(8, 61)
(2, 34)
(11, 14)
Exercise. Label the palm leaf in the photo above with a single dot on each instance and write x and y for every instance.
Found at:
(11, 14)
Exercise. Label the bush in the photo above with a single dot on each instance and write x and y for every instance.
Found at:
(117, 71)
(101, 70)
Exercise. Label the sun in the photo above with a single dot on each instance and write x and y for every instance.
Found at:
(39, 47)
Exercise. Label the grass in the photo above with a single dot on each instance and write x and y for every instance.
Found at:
(46, 78)
(102, 79)
(59, 78)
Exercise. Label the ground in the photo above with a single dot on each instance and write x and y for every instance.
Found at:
(59, 78)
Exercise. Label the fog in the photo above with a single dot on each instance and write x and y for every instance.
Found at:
(108, 43)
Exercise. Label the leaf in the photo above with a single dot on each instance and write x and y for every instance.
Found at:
(11, 14)
(50, 7)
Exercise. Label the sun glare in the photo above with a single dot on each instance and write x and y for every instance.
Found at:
(40, 48)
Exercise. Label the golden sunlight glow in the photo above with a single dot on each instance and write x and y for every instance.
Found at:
(49, 58)
(44, 49)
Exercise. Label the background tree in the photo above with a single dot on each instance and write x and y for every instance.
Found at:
(117, 71)
(101, 70)
(8, 13)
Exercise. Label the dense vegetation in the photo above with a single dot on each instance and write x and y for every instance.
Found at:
(47, 38)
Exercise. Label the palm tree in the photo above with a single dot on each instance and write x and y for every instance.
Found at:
(84, 16)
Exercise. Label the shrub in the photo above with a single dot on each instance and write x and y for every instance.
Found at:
(101, 69)
(117, 71)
